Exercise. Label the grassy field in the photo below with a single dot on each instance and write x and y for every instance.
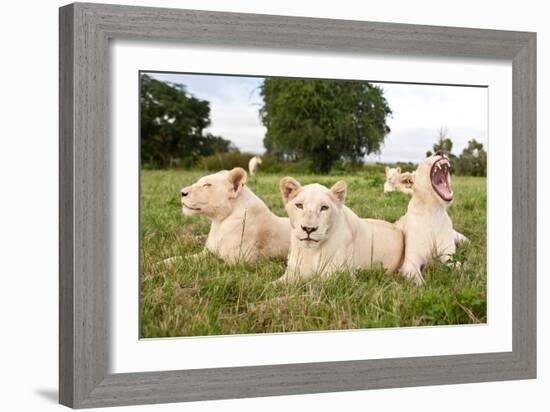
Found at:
(208, 297)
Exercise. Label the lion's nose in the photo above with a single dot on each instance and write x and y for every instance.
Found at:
(184, 193)
(309, 230)
(440, 153)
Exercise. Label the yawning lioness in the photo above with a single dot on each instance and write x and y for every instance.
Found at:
(427, 227)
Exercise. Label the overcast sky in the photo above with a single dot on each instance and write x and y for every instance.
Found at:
(418, 113)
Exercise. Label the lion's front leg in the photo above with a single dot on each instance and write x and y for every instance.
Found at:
(171, 261)
(416, 255)
(202, 254)
(450, 262)
(168, 262)
(290, 276)
(447, 251)
(412, 269)
(286, 278)
(460, 238)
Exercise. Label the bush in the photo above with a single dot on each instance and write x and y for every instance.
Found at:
(371, 169)
(270, 164)
(224, 161)
(346, 168)
(303, 167)
(406, 166)
(374, 168)
(467, 165)
(373, 180)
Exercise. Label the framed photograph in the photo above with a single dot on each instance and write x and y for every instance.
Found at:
(257, 205)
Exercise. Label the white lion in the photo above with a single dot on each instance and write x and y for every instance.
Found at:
(253, 165)
(326, 236)
(243, 227)
(427, 227)
(395, 180)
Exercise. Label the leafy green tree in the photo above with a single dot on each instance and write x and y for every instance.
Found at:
(323, 121)
(444, 143)
(216, 144)
(472, 161)
(172, 124)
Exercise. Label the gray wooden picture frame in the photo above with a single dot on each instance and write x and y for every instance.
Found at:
(85, 32)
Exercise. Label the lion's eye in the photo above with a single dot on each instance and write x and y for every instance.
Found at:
(323, 208)
(299, 205)
(206, 185)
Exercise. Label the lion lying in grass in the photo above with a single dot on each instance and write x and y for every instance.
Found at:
(397, 181)
(327, 236)
(243, 228)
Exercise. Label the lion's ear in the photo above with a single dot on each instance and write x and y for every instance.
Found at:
(237, 179)
(289, 188)
(387, 170)
(338, 191)
(398, 169)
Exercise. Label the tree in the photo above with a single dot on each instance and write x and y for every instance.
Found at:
(323, 121)
(444, 143)
(472, 161)
(173, 123)
(217, 144)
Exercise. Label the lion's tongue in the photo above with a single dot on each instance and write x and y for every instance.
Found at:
(441, 183)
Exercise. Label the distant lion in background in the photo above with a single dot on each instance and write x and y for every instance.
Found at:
(253, 165)
(397, 181)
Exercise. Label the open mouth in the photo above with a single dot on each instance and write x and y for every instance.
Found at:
(441, 182)
(190, 208)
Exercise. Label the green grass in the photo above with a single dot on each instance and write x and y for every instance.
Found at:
(209, 297)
